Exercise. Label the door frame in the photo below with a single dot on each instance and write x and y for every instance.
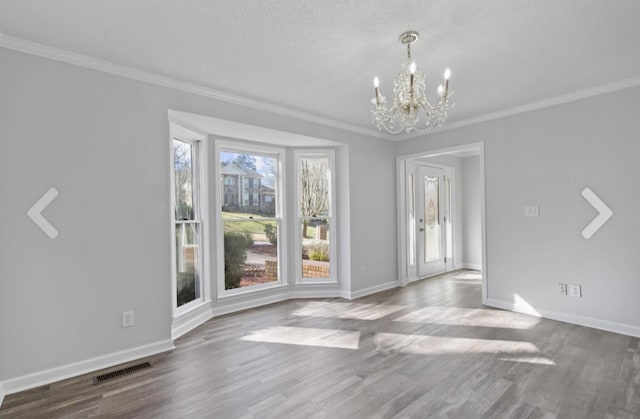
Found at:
(405, 272)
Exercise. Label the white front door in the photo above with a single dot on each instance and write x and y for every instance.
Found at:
(432, 194)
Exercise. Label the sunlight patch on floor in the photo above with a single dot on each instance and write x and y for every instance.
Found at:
(438, 345)
(478, 317)
(523, 306)
(462, 281)
(538, 360)
(474, 275)
(327, 338)
(340, 310)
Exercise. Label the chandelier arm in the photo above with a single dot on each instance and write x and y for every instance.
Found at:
(388, 116)
(426, 106)
(394, 109)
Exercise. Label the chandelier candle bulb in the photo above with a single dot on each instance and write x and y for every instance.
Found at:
(440, 91)
(376, 85)
(412, 73)
(447, 76)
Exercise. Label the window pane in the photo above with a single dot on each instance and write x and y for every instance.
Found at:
(250, 253)
(183, 173)
(187, 262)
(314, 187)
(315, 249)
(248, 185)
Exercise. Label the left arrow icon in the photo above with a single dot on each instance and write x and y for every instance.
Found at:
(35, 213)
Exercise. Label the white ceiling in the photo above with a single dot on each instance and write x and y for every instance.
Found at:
(320, 57)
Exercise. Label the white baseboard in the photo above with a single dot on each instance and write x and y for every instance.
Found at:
(371, 290)
(222, 309)
(189, 321)
(75, 369)
(472, 266)
(458, 266)
(196, 318)
(606, 325)
(316, 294)
(1, 394)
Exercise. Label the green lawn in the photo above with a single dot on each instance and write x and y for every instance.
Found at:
(248, 226)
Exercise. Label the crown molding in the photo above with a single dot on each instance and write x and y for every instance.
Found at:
(57, 54)
(546, 103)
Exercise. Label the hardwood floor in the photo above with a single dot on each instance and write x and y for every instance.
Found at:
(427, 350)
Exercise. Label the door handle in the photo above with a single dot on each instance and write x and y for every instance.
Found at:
(422, 229)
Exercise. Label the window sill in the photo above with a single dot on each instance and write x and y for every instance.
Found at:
(317, 282)
(189, 308)
(238, 292)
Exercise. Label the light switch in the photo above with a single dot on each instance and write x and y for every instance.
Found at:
(575, 290)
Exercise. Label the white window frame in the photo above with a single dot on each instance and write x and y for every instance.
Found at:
(333, 266)
(238, 146)
(200, 209)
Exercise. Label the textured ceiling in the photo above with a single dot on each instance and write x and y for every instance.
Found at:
(320, 57)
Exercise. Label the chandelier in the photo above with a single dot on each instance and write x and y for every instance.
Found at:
(411, 111)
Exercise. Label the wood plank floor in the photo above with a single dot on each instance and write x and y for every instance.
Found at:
(427, 350)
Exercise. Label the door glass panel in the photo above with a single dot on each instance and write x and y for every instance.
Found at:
(432, 218)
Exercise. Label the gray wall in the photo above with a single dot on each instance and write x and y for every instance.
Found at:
(102, 141)
(546, 157)
(472, 234)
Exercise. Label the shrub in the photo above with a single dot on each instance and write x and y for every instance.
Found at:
(249, 238)
(319, 255)
(187, 287)
(235, 255)
(319, 251)
(272, 234)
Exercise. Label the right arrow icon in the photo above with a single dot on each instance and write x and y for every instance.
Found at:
(604, 213)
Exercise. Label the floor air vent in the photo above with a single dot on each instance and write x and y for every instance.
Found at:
(118, 373)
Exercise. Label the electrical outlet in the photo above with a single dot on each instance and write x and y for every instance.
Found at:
(363, 271)
(532, 211)
(127, 319)
(575, 290)
(562, 289)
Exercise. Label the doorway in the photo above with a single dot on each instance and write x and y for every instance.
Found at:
(432, 214)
